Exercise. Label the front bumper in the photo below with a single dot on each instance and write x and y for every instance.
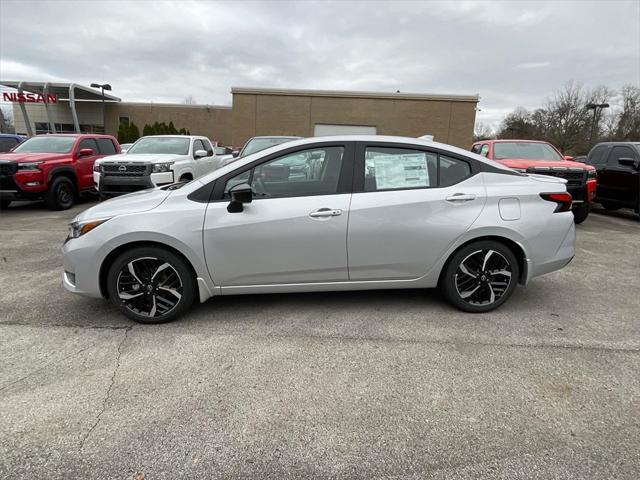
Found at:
(119, 185)
(81, 267)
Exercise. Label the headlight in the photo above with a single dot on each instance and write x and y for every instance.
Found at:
(96, 167)
(162, 167)
(28, 165)
(77, 229)
(592, 173)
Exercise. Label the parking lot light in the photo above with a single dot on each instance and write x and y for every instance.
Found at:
(102, 87)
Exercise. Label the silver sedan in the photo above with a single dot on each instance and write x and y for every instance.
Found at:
(321, 214)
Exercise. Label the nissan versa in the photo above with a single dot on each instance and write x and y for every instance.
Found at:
(321, 214)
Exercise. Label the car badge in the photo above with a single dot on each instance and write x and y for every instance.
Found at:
(122, 168)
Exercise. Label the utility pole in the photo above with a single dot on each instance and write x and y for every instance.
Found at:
(597, 109)
(102, 88)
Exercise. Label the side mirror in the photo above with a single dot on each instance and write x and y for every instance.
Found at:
(240, 194)
(235, 153)
(200, 154)
(123, 150)
(629, 162)
(569, 158)
(85, 152)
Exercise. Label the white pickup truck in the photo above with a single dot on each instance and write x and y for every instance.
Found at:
(154, 161)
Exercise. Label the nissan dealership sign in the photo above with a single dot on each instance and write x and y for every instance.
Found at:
(29, 98)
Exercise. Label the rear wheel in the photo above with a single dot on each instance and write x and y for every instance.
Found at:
(611, 206)
(61, 194)
(580, 213)
(151, 285)
(4, 204)
(481, 276)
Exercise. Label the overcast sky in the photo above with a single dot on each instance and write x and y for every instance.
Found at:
(512, 53)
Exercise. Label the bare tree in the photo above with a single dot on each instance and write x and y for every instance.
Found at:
(482, 131)
(189, 100)
(6, 120)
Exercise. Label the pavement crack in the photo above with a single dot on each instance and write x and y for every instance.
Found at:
(105, 400)
(66, 325)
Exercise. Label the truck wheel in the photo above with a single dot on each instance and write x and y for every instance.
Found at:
(4, 204)
(61, 194)
(611, 206)
(580, 213)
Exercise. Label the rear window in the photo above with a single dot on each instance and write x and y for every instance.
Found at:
(525, 150)
(106, 146)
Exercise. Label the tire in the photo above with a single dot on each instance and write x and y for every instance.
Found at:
(472, 291)
(580, 213)
(611, 206)
(61, 194)
(186, 178)
(166, 292)
(4, 204)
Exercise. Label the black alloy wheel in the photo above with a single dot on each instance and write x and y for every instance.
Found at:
(151, 285)
(481, 276)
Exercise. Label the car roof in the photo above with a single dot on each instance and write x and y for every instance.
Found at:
(618, 143)
(10, 135)
(177, 135)
(506, 140)
(74, 135)
(276, 136)
(363, 138)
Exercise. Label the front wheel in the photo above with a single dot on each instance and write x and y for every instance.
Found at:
(61, 194)
(151, 285)
(580, 213)
(4, 204)
(481, 276)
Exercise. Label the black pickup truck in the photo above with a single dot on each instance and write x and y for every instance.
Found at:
(618, 168)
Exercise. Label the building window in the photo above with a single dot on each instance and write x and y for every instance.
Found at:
(124, 120)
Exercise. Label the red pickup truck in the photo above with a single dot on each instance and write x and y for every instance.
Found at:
(542, 158)
(52, 167)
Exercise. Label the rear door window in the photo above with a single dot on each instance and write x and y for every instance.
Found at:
(399, 169)
(106, 146)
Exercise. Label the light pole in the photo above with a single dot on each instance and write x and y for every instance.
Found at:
(597, 109)
(102, 88)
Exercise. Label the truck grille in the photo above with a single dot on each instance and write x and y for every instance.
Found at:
(8, 168)
(574, 176)
(125, 170)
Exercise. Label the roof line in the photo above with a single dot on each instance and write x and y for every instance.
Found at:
(356, 94)
(199, 105)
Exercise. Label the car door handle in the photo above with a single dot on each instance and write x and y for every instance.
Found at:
(461, 197)
(325, 212)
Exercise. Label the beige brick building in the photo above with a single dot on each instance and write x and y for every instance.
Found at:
(255, 112)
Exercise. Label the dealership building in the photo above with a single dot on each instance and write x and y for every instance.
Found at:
(42, 107)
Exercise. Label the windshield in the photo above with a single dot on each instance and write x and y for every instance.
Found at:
(171, 145)
(257, 144)
(525, 150)
(46, 144)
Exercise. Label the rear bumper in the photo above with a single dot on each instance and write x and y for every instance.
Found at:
(560, 259)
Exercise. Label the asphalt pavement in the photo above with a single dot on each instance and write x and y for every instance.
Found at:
(377, 384)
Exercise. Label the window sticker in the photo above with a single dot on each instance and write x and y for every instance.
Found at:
(400, 171)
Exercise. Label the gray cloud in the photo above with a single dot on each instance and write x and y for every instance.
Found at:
(512, 53)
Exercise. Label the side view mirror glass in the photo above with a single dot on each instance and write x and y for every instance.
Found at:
(629, 162)
(235, 153)
(200, 153)
(240, 194)
(85, 152)
(569, 157)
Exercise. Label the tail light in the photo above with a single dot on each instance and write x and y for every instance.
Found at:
(562, 200)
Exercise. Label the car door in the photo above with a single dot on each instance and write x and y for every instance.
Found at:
(84, 163)
(294, 230)
(621, 180)
(407, 208)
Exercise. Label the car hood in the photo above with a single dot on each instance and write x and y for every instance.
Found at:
(136, 202)
(142, 158)
(525, 163)
(32, 157)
